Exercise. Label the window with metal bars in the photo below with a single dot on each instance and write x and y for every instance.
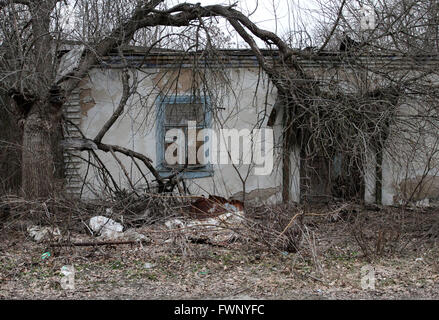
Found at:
(174, 112)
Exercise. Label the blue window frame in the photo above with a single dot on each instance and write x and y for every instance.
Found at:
(174, 112)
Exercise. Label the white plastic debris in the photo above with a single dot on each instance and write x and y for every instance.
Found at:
(108, 229)
(174, 224)
(68, 280)
(423, 203)
(105, 226)
(223, 220)
(148, 265)
(42, 233)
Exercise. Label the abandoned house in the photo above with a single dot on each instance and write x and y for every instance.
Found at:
(229, 90)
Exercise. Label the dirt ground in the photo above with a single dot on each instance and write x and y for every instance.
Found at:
(398, 249)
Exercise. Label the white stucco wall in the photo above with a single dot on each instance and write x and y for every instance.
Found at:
(244, 100)
(246, 96)
(410, 160)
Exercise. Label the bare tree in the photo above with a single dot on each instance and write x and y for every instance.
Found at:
(33, 31)
(323, 115)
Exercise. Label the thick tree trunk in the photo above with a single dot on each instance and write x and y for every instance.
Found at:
(10, 152)
(38, 165)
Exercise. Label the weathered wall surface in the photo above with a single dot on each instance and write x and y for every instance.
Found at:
(242, 96)
(411, 159)
(411, 165)
(240, 103)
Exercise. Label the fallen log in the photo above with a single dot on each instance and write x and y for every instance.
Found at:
(94, 243)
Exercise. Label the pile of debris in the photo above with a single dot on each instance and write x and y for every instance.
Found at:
(214, 217)
(104, 228)
(108, 229)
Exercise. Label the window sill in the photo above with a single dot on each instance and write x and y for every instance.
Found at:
(189, 174)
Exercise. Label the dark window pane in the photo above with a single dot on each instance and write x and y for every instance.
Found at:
(178, 114)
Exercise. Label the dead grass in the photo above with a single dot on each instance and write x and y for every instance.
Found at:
(328, 264)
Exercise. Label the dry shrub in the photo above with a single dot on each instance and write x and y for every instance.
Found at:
(71, 214)
(377, 240)
(275, 227)
(267, 227)
(56, 212)
(148, 208)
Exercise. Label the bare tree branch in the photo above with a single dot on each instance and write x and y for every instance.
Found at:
(118, 111)
(339, 15)
(87, 144)
(5, 3)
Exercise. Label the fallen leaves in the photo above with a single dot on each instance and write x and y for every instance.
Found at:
(159, 270)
